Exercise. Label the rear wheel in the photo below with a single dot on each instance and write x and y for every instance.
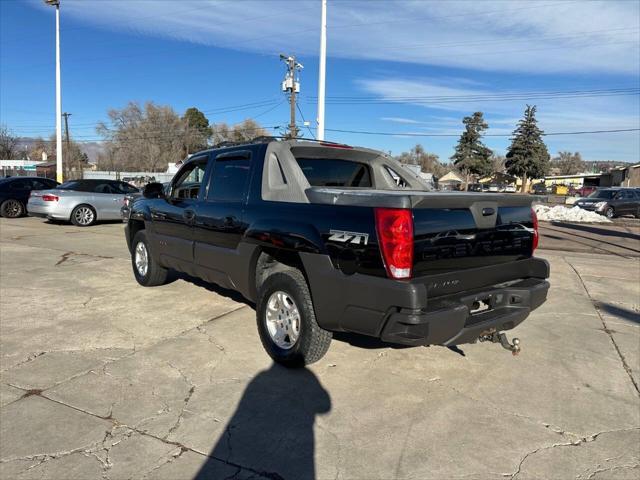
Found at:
(146, 269)
(610, 212)
(12, 208)
(286, 320)
(83, 216)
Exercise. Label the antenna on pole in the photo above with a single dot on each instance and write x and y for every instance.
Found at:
(322, 70)
(291, 85)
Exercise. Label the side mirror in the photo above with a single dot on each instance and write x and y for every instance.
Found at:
(153, 190)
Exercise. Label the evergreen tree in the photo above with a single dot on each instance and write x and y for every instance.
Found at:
(471, 156)
(527, 156)
(197, 130)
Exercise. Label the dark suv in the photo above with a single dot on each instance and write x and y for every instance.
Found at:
(613, 202)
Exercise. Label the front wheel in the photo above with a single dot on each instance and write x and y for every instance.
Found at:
(287, 323)
(12, 208)
(146, 269)
(610, 212)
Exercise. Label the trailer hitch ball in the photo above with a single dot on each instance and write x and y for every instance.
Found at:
(514, 347)
(501, 338)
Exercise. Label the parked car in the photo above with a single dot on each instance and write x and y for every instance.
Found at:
(475, 187)
(322, 239)
(494, 187)
(82, 202)
(540, 189)
(510, 189)
(613, 202)
(15, 191)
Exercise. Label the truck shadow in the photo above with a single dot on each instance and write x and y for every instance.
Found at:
(271, 433)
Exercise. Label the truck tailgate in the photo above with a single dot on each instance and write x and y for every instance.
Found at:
(452, 231)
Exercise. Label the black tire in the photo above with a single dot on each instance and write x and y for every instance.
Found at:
(312, 342)
(83, 215)
(609, 212)
(12, 208)
(155, 274)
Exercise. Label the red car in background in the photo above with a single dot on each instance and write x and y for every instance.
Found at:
(582, 192)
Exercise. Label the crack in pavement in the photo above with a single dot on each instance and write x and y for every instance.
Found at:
(133, 351)
(586, 439)
(595, 304)
(187, 399)
(66, 256)
(131, 429)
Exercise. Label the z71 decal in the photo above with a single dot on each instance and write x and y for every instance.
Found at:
(350, 237)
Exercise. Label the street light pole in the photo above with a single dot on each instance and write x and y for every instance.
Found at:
(322, 70)
(56, 3)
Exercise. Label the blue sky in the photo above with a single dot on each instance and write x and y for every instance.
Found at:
(444, 59)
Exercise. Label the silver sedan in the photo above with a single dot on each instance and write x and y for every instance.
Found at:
(82, 202)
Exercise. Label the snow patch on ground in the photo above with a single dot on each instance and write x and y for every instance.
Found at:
(561, 213)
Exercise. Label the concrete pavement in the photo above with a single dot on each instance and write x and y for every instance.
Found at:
(101, 378)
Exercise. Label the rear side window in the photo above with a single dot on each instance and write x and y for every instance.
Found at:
(105, 187)
(229, 178)
(19, 185)
(325, 172)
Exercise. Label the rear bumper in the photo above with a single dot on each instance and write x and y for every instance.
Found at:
(431, 310)
(449, 321)
(48, 211)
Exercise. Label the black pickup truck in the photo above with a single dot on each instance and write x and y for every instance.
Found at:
(326, 237)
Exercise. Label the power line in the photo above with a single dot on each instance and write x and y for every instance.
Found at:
(412, 134)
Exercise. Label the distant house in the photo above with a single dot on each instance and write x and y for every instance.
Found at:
(614, 178)
(18, 167)
(632, 176)
(450, 181)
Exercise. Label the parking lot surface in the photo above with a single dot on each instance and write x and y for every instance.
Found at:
(102, 378)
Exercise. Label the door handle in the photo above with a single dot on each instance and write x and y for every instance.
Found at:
(158, 215)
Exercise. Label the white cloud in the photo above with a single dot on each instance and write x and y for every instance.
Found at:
(402, 120)
(542, 36)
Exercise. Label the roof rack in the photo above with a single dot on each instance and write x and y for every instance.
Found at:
(271, 138)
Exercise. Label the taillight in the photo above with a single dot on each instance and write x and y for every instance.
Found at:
(536, 235)
(395, 234)
(47, 197)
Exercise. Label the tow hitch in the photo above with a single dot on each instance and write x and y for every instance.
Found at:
(501, 338)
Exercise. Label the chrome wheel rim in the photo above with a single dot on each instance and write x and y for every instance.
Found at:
(609, 212)
(84, 216)
(283, 320)
(141, 259)
(13, 208)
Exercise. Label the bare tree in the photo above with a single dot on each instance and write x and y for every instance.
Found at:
(241, 132)
(569, 163)
(9, 146)
(429, 162)
(499, 163)
(143, 138)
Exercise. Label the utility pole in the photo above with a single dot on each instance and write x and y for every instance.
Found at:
(59, 175)
(291, 84)
(66, 135)
(322, 70)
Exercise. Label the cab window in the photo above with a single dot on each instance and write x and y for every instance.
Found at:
(187, 185)
(229, 177)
